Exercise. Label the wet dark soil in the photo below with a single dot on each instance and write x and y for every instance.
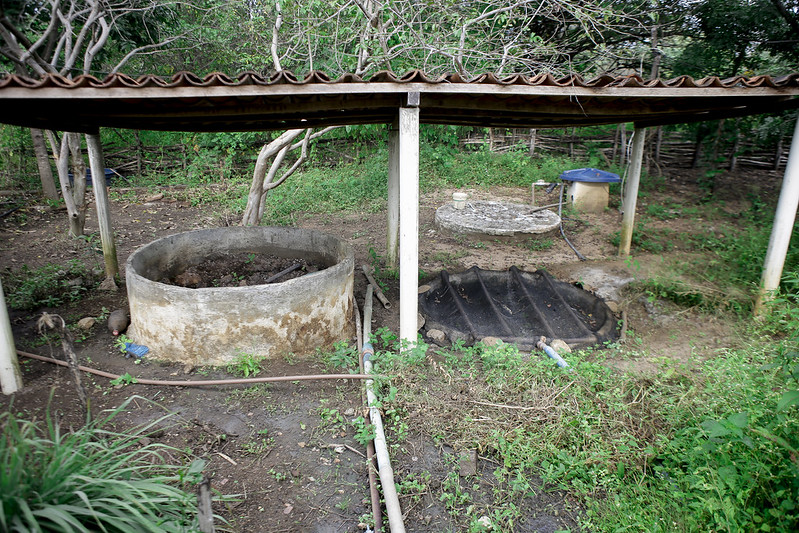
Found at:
(241, 270)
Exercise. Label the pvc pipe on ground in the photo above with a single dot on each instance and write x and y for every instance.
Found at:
(10, 376)
(198, 383)
(542, 345)
(393, 510)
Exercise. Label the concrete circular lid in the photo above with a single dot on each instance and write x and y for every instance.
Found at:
(496, 218)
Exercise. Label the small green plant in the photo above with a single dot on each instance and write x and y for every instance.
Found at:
(343, 356)
(380, 273)
(92, 479)
(260, 443)
(332, 420)
(245, 364)
(537, 245)
(124, 379)
(414, 486)
(120, 342)
(453, 495)
(364, 432)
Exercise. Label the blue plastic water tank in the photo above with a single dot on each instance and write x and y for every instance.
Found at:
(590, 175)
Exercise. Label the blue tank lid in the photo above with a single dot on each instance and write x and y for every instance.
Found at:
(590, 175)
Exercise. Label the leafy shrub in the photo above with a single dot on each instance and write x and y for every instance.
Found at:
(90, 479)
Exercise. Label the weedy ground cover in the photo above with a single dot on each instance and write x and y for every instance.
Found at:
(689, 449)
(92, 478)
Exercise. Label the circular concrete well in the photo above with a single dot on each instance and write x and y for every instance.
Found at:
(496, 219)
(215, 324)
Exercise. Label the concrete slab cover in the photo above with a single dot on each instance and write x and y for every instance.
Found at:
(496, 218)
(213, 325)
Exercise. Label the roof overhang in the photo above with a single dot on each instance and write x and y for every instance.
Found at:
(253, 103)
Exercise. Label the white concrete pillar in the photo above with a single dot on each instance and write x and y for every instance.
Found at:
(631, 192)
(97, 165)
(10, 375)
(784, 219)
(409, 218)
(392, 237)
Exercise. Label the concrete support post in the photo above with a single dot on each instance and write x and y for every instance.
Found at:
(409, 220)
(97, 166)
(392, 237)
(784, 219)
(10, 375)
(631, 192)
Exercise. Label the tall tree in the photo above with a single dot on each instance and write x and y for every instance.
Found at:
(67, 37)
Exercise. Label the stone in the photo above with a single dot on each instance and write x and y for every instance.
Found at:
(420, 321)
(491, 341)
(423, 288)
(560, 346)
(467, 462)
(87, 323)
(437, 336)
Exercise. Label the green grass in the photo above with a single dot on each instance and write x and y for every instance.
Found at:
(47, 286)
(708, 446)
(91, 479)
(361, 185)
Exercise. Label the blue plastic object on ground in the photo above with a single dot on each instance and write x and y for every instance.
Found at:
(135, 349)
(109, 174)
(590, 175)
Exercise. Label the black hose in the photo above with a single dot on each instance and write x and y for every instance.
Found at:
(580, 256)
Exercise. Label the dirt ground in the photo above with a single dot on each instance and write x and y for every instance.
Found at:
(285, 448)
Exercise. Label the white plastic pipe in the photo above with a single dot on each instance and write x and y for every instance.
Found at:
(409, 221)
(10, 376)
(395, 521)
(631, 192)
(784, 219)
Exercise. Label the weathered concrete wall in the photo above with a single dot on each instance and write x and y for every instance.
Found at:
(213, 325)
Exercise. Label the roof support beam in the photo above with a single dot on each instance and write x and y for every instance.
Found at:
(392, 236)
(10, 375)
(407, 160)
(784, 219)
(631, 192)
(97, 166)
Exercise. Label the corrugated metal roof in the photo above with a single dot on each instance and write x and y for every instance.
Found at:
(251, 101)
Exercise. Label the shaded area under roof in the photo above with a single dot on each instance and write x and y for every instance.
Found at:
(252, 102)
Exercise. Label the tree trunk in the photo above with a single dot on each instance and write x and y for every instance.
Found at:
(43, 162)
(716, 142)
(531, 151)
(700, 136)
(734, 152)
(77, 223)
(778, 155)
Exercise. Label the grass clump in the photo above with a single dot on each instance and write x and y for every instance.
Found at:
(90, 479)
(50, 285)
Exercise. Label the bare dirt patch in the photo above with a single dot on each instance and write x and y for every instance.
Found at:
(289, 450)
